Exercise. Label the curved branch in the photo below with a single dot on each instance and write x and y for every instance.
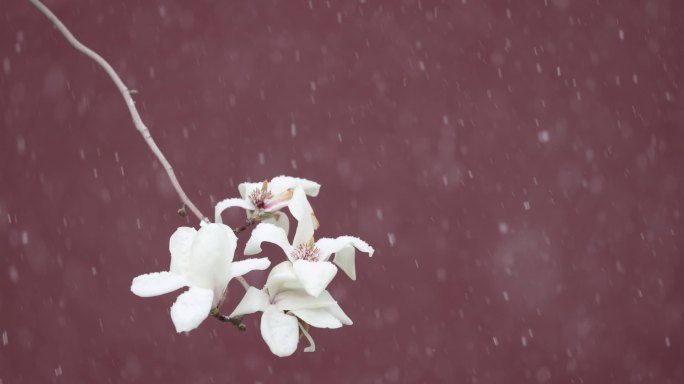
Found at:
(130, 103)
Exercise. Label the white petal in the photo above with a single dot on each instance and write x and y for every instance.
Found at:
(270, 233)
(346, 261)
(247, 188)
(295, 299)
(283, 270)
(244, 266)
(314, 275)
(335, 310)
(281, 278)
(319, 318)
(283, 183)
(254, 300)
(211, 257)
(329, 246)
(228, 203)
(278, 202)
(343, 247)
(302, 211)
(191, 308)
(157, 283)
(280, 331)
(179, 247)
(280, 220)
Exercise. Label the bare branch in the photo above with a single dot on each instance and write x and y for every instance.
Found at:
(130, 103)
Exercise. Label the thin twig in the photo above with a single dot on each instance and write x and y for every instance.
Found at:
(246, 225)
(130, 103)
(236, 321)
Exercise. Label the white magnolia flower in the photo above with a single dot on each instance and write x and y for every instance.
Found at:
(203, 261)
(309, 259)
(285, 305)
(268, 197)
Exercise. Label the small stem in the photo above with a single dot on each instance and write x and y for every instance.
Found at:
(130, 103)
(236, 321)
(304, 331)
(246, 225)
(245, 285)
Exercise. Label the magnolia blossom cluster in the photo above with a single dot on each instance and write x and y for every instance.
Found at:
(294, 296)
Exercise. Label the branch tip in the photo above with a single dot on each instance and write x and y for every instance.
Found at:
(130, 103)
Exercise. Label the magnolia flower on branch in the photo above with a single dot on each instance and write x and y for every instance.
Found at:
(262, 201)
(288, 310)
(203, 261)
(309, 259)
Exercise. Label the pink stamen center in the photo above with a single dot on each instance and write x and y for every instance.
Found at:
(259, 196)
(306, 252)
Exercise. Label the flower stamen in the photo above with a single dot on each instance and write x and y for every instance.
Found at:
(307, 252)
(259, 196)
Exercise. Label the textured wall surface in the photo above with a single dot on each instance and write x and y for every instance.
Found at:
(517, 166)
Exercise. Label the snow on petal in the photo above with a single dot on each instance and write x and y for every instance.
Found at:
(280, 331)
(191, 308)
(329, 246)
(254, 300)
(228, 203)
(179, 247)
(242, 267)
(344, 249)
(318, 317)
(314, 275)
(270, 233)
(306, 221)
(282, 183)
(157, 283)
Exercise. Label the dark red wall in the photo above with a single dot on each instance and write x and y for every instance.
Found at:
(516, 164)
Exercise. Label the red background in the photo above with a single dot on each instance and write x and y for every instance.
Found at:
(516, 165)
